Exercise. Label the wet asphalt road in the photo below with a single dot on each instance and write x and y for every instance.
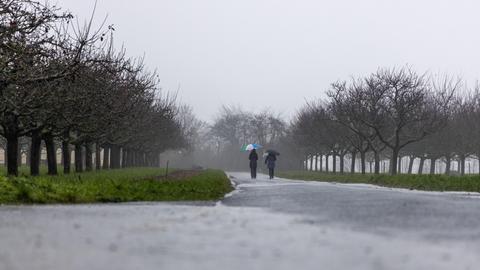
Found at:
(433, 216)
(263, 224)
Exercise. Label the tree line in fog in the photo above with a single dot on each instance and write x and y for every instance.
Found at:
(372, 123)
(389, 115)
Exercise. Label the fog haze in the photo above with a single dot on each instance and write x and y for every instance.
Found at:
(277, 54)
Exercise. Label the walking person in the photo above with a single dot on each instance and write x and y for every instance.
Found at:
(253, 157)
(270, 161)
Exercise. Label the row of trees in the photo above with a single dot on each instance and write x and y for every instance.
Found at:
(387, 115)
(385, 118)
(68, 85)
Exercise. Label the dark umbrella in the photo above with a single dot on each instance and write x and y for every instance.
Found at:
(273, 152)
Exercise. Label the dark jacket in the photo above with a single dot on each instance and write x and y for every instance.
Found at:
(253, 157)
(270, 161)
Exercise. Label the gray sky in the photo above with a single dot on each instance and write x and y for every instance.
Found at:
(277, 54)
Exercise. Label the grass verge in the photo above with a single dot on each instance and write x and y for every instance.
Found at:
(125, 185)
(414, 182)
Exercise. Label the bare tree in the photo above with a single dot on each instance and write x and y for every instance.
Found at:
(402, 107)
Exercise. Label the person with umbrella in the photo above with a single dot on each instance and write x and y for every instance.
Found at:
(253, 157)
(270, 161)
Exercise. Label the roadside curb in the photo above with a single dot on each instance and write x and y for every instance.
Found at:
(233, 183)
(235, 190)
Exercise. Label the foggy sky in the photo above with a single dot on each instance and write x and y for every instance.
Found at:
(277, 54)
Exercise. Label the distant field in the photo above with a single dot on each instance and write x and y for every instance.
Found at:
(414, 182)
(124, 185)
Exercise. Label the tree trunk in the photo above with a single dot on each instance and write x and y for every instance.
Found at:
(35, 153)
(78, 158)
(12, 155)
(320, 165)
(115, 157)
(327, 163)
(342, 163)
(98, 163)
(432, 165)
(420, 167)
(124, 157)
(354, 157)
(106, 157)
(377, 162)
(399, 166)
(67, 157)
(393, 162)
(88, 157)
(410, 164)
(51, 154)
(334, 163)
(363, 160)
(448, 163)
(316, 162)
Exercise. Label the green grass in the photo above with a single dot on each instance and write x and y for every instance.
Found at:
(469, 183)
(125, 185)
